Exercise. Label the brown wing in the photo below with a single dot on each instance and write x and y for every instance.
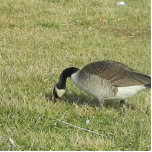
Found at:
(118, 73)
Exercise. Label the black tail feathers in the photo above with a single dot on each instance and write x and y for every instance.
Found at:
(148, 86)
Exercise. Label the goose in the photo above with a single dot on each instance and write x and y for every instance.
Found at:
(104, 80)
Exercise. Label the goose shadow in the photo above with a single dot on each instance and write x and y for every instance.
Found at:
(82, 99)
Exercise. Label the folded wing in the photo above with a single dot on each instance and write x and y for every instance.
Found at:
(119, 74)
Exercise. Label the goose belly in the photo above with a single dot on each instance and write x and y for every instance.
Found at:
(128, 92)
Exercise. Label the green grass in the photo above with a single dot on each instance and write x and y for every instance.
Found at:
(38, 39)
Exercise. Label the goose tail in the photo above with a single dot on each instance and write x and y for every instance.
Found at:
(148, 86)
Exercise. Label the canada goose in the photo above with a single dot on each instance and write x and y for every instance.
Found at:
(105, 80)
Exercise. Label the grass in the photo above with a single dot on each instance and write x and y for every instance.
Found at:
(38, 39)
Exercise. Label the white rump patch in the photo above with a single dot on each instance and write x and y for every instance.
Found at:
(128, 92)
(60, 92)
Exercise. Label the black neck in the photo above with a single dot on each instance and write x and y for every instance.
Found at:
(64, 75)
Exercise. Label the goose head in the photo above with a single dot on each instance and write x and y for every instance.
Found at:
(60, 88)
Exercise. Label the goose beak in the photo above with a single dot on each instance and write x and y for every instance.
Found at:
(55, 96)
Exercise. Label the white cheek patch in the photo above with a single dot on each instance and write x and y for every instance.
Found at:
(60, 92)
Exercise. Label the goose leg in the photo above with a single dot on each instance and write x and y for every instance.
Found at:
(101, 102)
(123, 103)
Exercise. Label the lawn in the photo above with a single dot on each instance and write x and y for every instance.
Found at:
(38, 39)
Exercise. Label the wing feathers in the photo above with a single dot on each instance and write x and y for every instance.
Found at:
(118, 73)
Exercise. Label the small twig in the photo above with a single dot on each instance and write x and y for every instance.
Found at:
(90, 131)
(13, 145)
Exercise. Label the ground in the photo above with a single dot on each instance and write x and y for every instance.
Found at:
(38, 39)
